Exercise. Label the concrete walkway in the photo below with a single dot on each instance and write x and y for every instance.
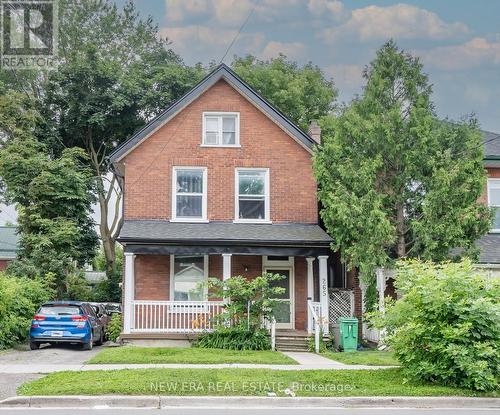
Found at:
(305, 360)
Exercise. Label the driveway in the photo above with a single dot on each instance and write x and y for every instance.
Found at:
(47, 355)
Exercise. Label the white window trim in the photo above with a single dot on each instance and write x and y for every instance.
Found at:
(174, 217)
(172, 279)
(274, 263)
(490, 181)
(221, 114)
(267, 198)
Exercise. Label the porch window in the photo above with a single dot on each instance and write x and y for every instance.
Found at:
(189, 198)
(221, 129)
(494, 202)
(189, 276)
(252, 195)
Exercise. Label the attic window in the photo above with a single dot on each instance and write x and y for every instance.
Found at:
(221, 129)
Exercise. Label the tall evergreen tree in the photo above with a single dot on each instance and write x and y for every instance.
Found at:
(395, 181)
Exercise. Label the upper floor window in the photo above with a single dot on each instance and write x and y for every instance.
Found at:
(494, 201)
(221, 129)
(189, 194)
(252, 195)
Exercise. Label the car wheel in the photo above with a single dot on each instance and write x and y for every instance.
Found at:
(34, 346)
(90, 344)
(101, 338)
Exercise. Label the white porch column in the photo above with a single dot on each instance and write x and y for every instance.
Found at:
(226, 268)
(310, 293)
(381, 280)
(128, 294)
(323, 292)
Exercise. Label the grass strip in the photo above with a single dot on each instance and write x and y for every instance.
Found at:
(131, 354)
(236, 382)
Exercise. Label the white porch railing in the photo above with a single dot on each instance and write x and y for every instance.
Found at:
(174, 316)
(315, 313)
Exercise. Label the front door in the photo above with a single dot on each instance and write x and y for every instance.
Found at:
(284, 309)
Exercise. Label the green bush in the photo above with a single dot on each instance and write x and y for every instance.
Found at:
(19, 300)
(114, 327)
(446, 326)
(235, 338)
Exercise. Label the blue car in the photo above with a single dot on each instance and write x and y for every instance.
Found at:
(66, 322)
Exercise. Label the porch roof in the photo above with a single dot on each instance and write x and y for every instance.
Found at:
(163, 236)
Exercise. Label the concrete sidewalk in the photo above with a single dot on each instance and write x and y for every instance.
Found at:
(238, 402)
(305, 360)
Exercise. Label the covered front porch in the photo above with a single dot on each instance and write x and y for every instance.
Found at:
(162, 297)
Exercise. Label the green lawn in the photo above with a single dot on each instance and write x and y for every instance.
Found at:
(234, 382)
(368, 357)
(131, 354)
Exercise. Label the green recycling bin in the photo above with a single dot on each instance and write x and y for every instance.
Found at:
(348, 334)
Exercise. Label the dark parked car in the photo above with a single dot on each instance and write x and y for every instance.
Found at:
(66, 322)
(112, 308)
(102, 314)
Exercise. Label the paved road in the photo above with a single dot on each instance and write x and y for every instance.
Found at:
(47, 355)
(252, 411)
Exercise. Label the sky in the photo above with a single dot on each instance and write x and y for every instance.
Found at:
(457, 40)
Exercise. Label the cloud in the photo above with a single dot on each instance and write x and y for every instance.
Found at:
(402, 21)
(329, 7)
(178, 10)
(204, 43)
(293, 50)
(474, 53)
(227, 13)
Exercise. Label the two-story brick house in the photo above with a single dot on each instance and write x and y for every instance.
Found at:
(220, 184)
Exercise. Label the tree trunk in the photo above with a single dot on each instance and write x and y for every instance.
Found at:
(108, 233)
(400, 231)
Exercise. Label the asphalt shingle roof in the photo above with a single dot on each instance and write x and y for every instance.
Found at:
(491, 144)
(163, 230)
(489, 246)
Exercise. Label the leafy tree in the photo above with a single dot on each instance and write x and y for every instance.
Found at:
(109, 288)
(53, 199)
(446, 326)
(394, 180)
(301, 93)
(114, 74)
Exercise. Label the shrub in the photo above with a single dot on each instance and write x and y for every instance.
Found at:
(114, 327)
(19, 300)
(250, 301)
(235, 338)
(446, 326)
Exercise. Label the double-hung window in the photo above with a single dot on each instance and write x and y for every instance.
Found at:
(494, 202)
(252, 195)
(189, 277)
(189, 194)
(221, 129)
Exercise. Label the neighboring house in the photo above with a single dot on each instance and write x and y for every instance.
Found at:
(220, 184)
(489, 245)
(9, 241)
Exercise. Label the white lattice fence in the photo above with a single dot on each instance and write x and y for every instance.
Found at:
(341, 304)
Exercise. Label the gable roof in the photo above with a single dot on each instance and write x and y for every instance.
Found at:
(491, 143)
(225, 73)
(9, 240)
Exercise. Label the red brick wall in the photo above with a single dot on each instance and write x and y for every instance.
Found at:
(4, 263)
(148, 168)
(152, 280)
(300, 293)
